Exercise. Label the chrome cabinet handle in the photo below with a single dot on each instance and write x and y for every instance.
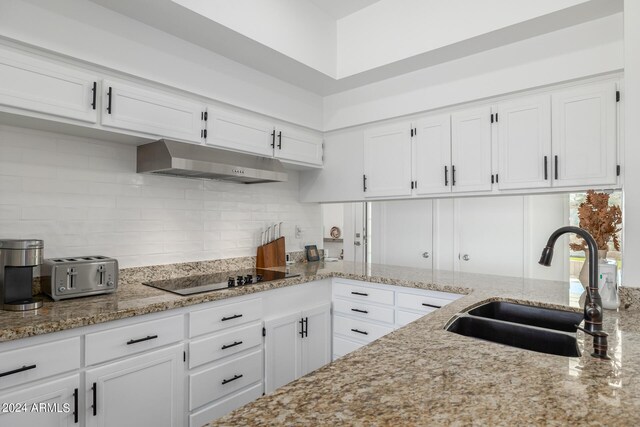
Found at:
(356, 243)
(465, 257)
(425, 255)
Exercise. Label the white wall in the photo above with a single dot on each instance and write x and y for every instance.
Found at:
(332, 216)
(83, 197)
(631, 94)
(298, 29)
(391, 30)
(584, 50)
(84, 30)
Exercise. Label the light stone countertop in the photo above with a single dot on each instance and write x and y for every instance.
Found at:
(417, 375)
(424, 375)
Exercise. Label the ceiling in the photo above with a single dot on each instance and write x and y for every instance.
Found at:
(168, 16)
(341, 8)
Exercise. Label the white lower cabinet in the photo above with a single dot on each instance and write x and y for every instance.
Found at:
(296, 344)
(52, 404)
(364, 312)
(144, 390)
(224, 378)
(224, 406)
(135, 374)
(226, 365)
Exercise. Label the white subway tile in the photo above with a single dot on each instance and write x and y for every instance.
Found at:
(82, 196)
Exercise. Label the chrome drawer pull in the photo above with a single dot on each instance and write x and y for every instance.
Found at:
(147, 338)
(224, 347)
(235, 377)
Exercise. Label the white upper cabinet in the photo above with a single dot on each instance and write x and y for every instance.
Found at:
(584, 135)
(239, 132)
(471, 150)
(297, 146)
(432, 155)
(138, 109)
(524, 143)
(340, 179)
(43, 86)
(387, 161)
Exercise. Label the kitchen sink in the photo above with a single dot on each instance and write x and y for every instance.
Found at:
(532, 328)
(558, 320)
(514, 335)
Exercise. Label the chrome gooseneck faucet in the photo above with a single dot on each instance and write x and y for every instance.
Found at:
(593, 302)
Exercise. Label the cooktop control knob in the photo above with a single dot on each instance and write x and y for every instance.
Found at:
(240, 280)
(258, 277)
(231, 282)
(248, 279)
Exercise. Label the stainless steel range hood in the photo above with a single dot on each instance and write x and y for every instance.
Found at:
(166, 157)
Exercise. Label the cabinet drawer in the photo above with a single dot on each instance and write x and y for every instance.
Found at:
(363, 293)
(363, 311)
(39, 361)
(224, 316)
(343, 346)
(224, 344)
(423, 303)
(358, 329)
(219, 381)
(126, 340)
(406, 317)
(223, 407)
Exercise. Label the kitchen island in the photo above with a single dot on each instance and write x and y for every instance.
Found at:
(417, 375)
(424, 375)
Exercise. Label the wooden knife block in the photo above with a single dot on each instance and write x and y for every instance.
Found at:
(271, 255)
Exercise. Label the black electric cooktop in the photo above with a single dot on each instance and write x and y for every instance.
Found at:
(190, 285)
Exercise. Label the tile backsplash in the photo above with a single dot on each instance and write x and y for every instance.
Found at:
(83, 197)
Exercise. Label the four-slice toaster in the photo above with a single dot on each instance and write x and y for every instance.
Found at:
(63, 278)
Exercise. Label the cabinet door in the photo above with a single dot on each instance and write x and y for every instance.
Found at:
(282, 351)
(316, 343)
(524, 143)
(432, 155)
(489, 234)
(340, 178)
(298, 146)
(158, 114)
(471, 150)
(584, 135)
(402, 233)
(58, 396)
(43, 86)
(239, 132)
(387, 161)
(145, 390)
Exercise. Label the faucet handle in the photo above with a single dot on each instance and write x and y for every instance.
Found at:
(600, 343)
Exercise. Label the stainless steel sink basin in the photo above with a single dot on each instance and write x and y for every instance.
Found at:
(558, 320)
(531, 328)
(514, 335)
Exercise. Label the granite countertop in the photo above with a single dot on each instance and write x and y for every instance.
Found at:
(133, 298)
(424, 375)
(417, 375)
